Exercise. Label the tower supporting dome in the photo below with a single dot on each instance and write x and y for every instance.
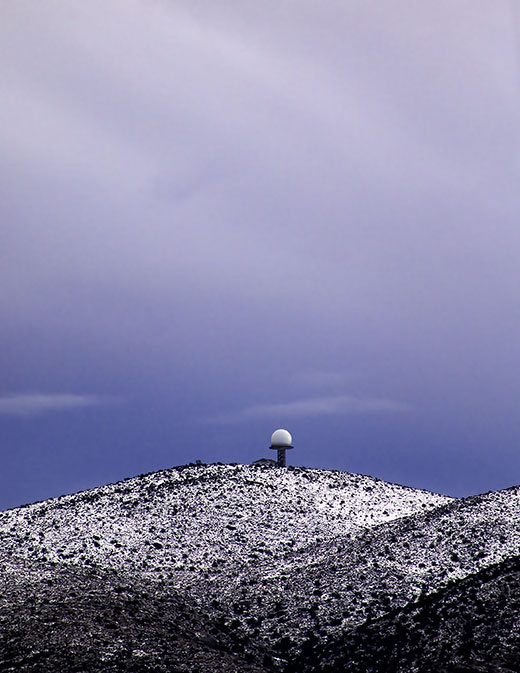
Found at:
(280, 442)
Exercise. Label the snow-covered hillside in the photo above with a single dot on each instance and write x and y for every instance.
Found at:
(469, 626)
(385, 567)
(274, 568)
(198, 518)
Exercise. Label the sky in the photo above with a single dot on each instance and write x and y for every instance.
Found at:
(218, 218)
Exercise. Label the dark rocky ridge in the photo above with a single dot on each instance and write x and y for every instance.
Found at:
(87, 619)
(239, 568)
(471, 625)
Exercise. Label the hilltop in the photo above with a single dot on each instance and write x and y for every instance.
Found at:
(255, 568)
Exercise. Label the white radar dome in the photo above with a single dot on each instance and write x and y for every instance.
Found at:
(281, 438)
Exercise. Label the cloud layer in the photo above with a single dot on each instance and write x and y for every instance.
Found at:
(211, 204)
(39, 404)
(312, 407)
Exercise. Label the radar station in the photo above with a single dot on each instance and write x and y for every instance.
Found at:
(280, 442)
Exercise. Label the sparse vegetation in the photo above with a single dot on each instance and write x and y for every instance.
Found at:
(227, 568)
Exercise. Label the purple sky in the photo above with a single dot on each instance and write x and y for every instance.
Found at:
(219, 218)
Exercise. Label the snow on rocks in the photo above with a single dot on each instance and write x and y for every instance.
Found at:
(279, 554)
(196, 519)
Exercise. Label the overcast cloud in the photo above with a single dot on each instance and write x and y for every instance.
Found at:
(314, 406)
(36, 404)
(202, 203)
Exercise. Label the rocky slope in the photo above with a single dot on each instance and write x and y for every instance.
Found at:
(232, 567)
(472, 624)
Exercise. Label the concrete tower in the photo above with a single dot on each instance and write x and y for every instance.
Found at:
(280, 442)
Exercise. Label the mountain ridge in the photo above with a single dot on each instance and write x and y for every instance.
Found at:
(252, 564)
